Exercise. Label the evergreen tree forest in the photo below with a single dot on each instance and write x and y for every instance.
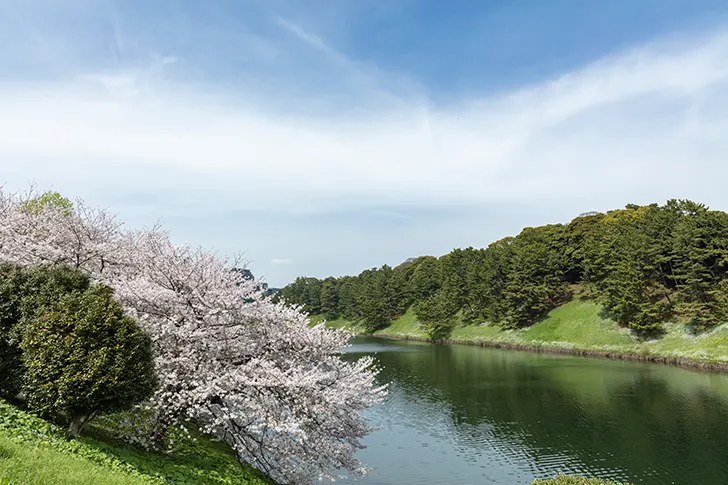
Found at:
(645, 264)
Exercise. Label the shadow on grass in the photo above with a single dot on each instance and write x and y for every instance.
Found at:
(644, 334)
(193, 459)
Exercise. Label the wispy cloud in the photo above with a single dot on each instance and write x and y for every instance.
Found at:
(628, 114)
(281, 261)
(313, 40)
(365, 78)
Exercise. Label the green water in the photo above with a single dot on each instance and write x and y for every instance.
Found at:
(469, 415)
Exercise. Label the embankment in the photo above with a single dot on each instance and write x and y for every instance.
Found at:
(578, 328)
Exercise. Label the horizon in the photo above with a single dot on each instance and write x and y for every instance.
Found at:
(322, 142)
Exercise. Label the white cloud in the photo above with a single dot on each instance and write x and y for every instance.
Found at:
(592, 133)
(641, 126)
(281, 261)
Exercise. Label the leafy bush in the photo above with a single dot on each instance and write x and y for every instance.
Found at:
(10, 356)
(569, 480)
(23, 292)
(82, 356)
(68, 346)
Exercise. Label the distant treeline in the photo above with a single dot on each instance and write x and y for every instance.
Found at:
(644, 264)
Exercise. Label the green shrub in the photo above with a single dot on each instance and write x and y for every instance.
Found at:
(23, 292)
(82, 356)
(569, 480)
(11, 279)
(11, 367)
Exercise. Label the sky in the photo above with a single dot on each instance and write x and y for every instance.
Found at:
(325, 137)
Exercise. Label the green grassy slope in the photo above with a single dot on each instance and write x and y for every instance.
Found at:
(578, 325)
(33, 452)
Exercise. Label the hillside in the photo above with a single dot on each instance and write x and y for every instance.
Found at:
(34, 452)
(658, 272)
(575, 327)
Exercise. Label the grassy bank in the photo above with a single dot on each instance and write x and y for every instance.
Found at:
(578, 327)
(34, 452)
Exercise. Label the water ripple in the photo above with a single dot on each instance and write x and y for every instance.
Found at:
(472, 415)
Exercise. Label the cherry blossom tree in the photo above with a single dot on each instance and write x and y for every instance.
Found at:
(247, 370)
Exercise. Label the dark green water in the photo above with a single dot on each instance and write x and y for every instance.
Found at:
(468, 415)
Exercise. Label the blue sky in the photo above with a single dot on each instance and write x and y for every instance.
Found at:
(328, 136)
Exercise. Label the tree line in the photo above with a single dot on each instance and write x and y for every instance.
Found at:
(645, 264)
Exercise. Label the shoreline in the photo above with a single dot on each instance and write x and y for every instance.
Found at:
(683, 362)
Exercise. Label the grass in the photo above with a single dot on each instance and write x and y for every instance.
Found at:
(568, 480)
(578, 325)
(407, 324)
(337, 323)
(40, 465)
(34, 452)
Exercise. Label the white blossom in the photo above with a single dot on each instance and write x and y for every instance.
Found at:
(246, 370)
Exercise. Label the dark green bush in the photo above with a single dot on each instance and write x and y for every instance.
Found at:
(23, 292)
(82, 356)
(11, 280)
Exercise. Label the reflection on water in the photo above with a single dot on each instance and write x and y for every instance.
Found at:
(469, 415)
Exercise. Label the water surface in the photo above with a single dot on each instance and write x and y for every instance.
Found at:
(470, 415)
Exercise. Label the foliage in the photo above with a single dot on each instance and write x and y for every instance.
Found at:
(699, 263)
(38, 452)
(571, 480)
(23, 293)
(82, 357)
(622, 265)
(246, 369)
(425, 279)
(306, 292)
(437, 315)
(645, 264)
(48, 199)
(489, 280)
(376, 298)
(536, 276)
(11, 364)
(329, 298)
(68, 346)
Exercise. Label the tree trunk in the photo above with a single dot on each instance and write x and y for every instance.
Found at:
(77, 424)
(159, 432)
(74, 429)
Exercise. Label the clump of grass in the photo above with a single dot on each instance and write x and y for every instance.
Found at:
(570, 480)
(5, 452)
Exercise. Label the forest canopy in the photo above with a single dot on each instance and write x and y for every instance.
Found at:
(645, 264)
